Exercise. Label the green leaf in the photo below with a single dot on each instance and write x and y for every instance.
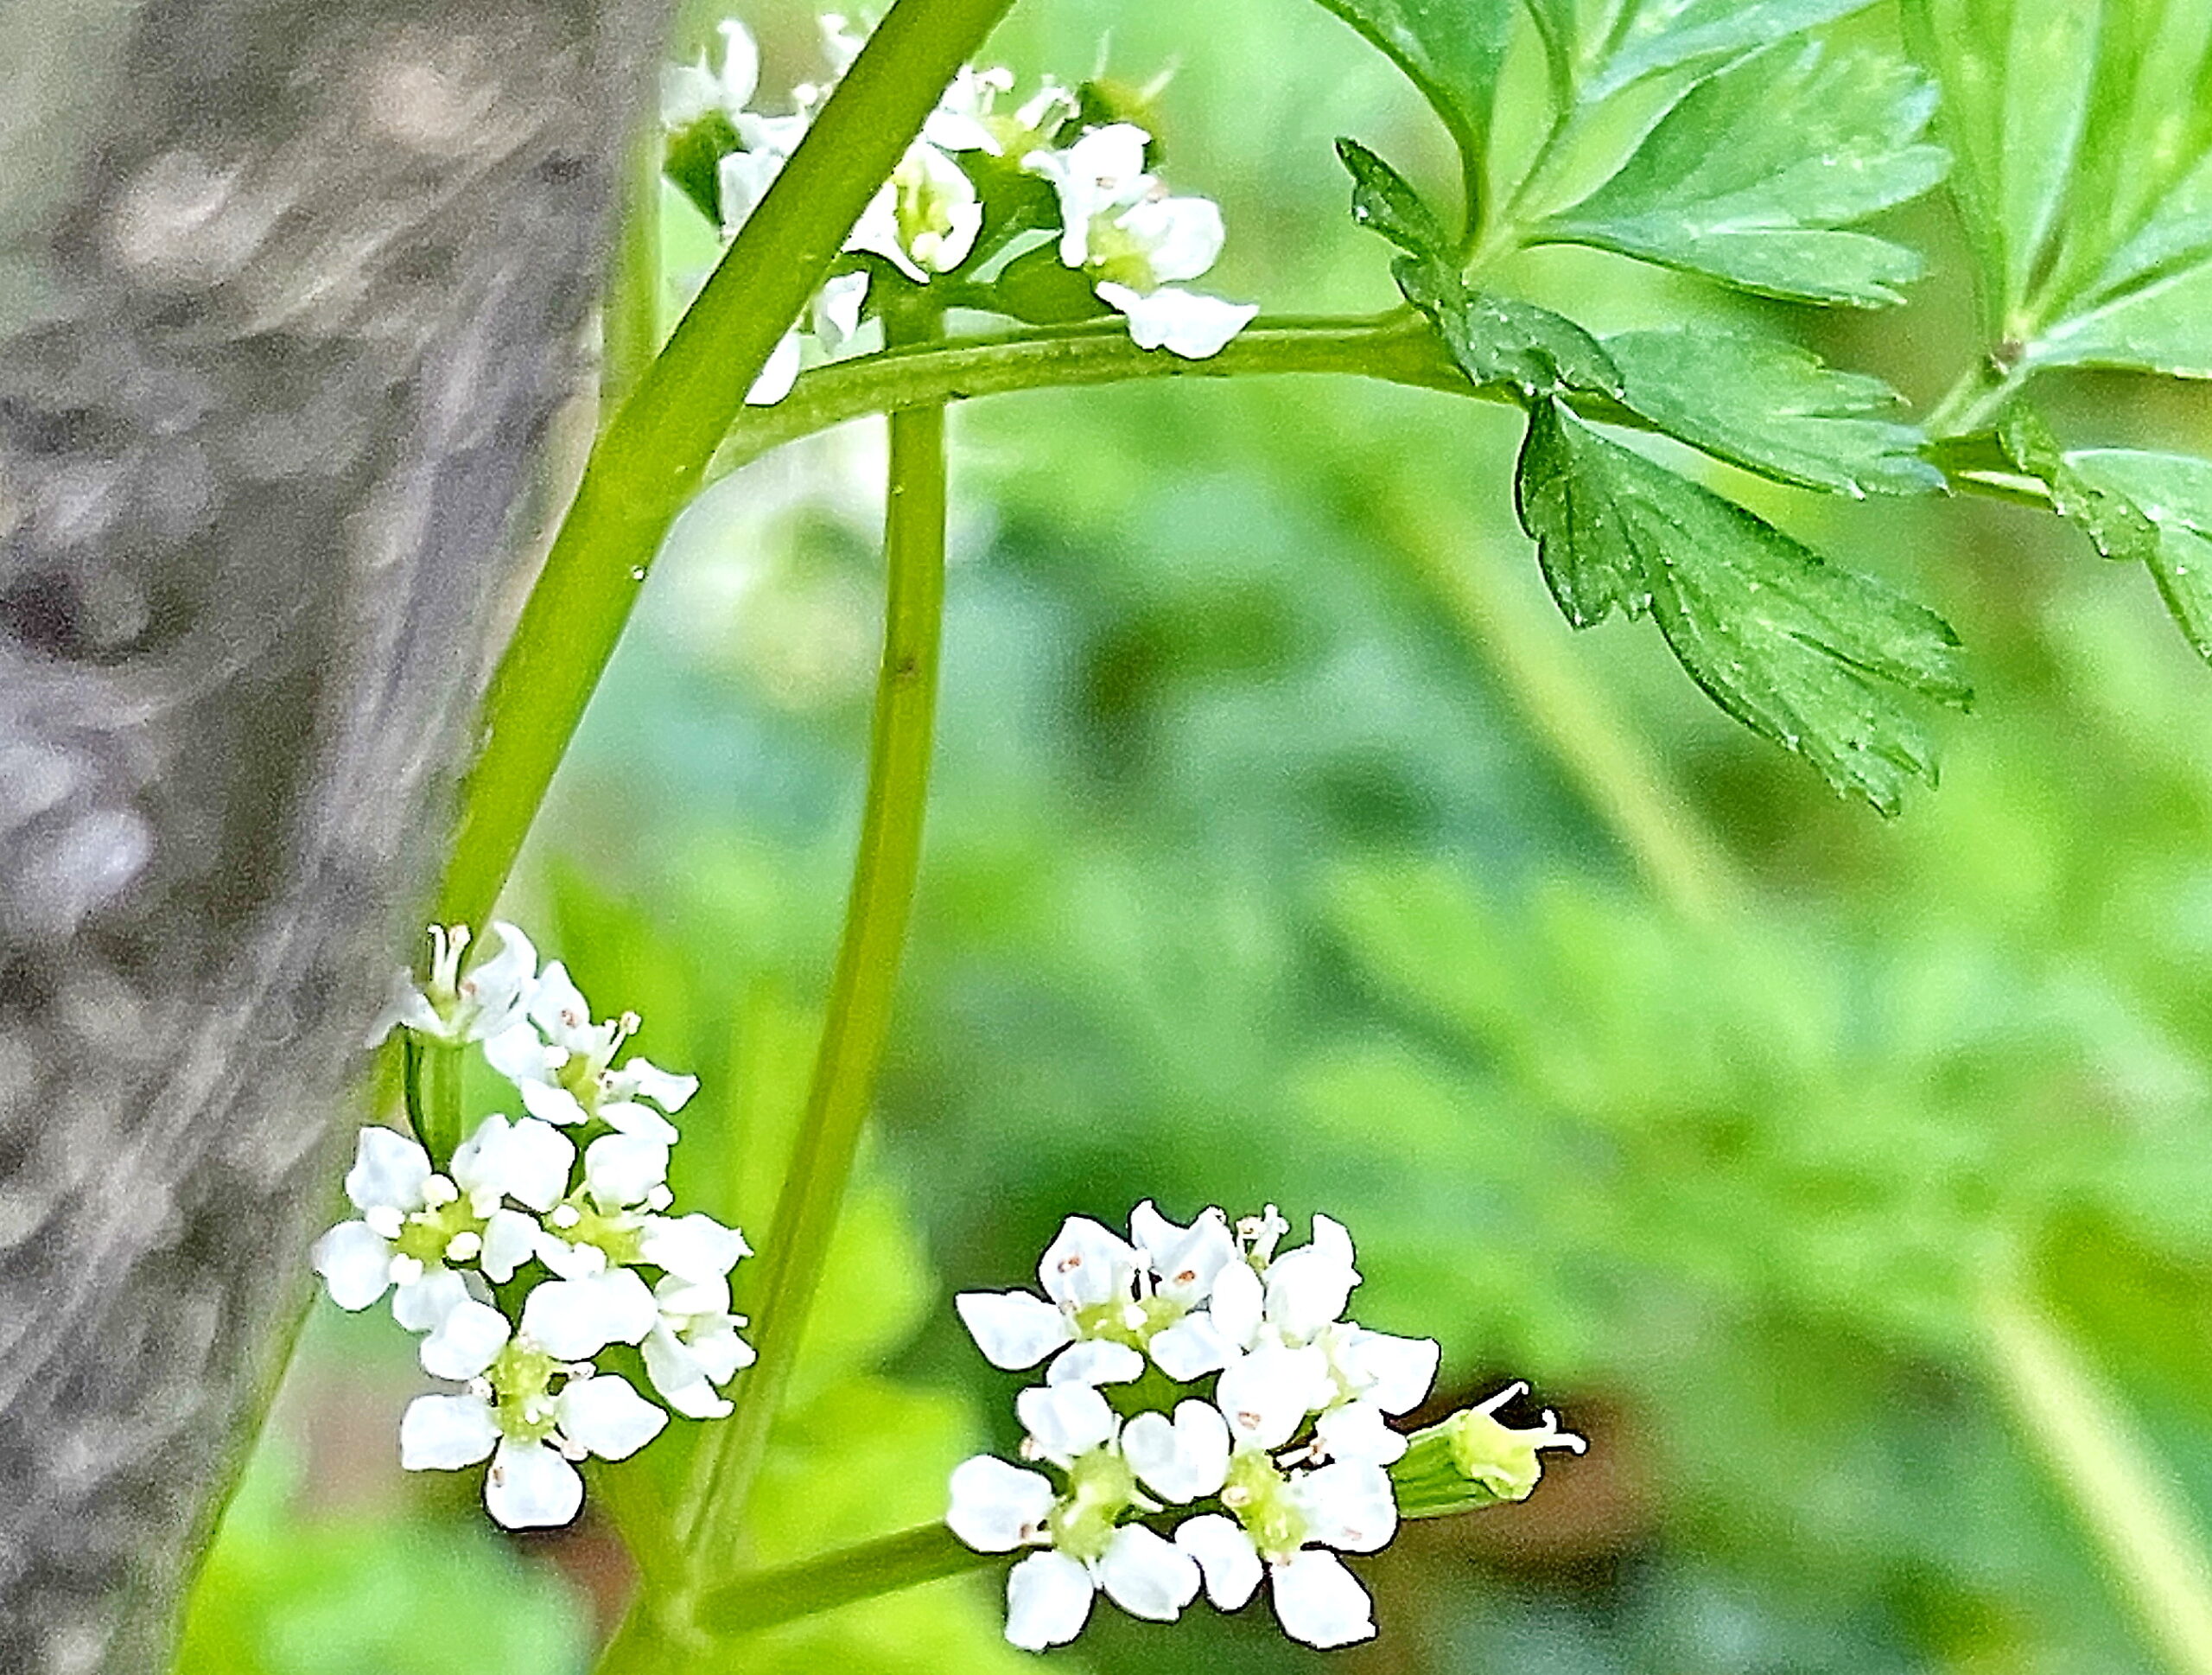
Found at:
(2016, 77)
(2115, 526)
(1501, 340)
(2174, 493)
(1453, 51)
(1383, 202)
(1666, 34)
(1799, 650)
(1749, 177)
(692, 159)
(2084, 131)
(1772, 407)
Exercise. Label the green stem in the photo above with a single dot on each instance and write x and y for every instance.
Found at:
(851, 1573)
(629, 323)
(653, 457)
(2153, 1552)
(860, 992)
(1980, 391)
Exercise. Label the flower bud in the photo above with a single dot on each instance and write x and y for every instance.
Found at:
(1472, 1459)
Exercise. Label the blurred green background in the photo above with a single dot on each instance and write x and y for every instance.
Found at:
(1287, 847)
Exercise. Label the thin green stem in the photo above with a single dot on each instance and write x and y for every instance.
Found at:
(861, 991)
(2154, 1553)
(844, 1577)
(1974, 398)
(629, 319)
(653, 457)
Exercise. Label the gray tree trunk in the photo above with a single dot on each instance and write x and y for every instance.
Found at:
(288, 292)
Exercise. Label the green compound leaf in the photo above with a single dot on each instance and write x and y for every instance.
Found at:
(2173, 493)
(1501, 340)
(1749, 177)
(1666, 35)
(2084, 135)
(1772, 407)
(1384, 201)
(2115, 525)
(1797, 649)
(1451, 50)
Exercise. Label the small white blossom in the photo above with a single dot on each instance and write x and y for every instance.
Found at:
(694, 1345)
(560, 1062)
(413, 1223)
(925, 219)
(453, 1007)
(689, 91)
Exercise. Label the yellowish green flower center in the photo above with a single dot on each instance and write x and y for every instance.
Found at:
(1101, 1487)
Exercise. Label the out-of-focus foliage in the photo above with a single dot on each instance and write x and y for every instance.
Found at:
(1262, 867)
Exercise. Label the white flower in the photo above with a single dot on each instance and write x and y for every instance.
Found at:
(1266, 1396)
(1100, 174)
(530, 1434)
(1105, 1296)
(610, 1222)
(1048, 1595)
(1063, 1422)
(689, 91)
(997, 1507)
(742, 179)
(1118, 224)
(559, 1060)
(837, 310)
(694, 1345)
(961, 121)
(414, 1221)
(925, 217)
(1283, 1525)
(453, 1009)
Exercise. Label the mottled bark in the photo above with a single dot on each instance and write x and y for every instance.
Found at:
(289, 290)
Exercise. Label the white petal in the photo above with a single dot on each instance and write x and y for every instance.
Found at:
(606, 1414)
(718, 1349)
(1347, 1506)
(837, 310)
(635, 1118)
(621, 1169)
(464, 1343)
(1319, 1602)
(1181, 237)
(499, 985)
(1047, 1600)
(1183, 1459)
(1099, 1361)
(997, 1507)
(574, 1319)
(1085, 1264)
(776, 377)
(559, 1008)
(876, 233)
(1013, 1328)
(1147, 1574)
(537, 1164)
(551, 1102)
(1356, 1432)
(569, 1261)
(694, 1247)
(1238, 1304)
(642, 1078)
(1225, 1554)
(742, 179)
(355, 1263)
(444, 1433)
(510, 1240)
(531, 1486)
(422, 1305)
(1065, 1420)
(1183, 322)
(1266, 1395)
(682, 1382)
(519, 1054)
(740, 64)
(1307, 1288)
(1393, 1372)
(389, 1171)
(1187, 1263)
(1192, 1348)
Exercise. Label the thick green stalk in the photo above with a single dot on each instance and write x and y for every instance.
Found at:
(860, 992)
(629, 314)
(2154, 1553)
(851, 1573)
(653, 457)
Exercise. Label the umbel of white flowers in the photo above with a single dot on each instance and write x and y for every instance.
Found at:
(544, 1241)
(1119, 227)
(1265, 1441)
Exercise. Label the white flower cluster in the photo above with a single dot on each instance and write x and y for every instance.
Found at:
(1240, 1394)
(1119, 228)
(528, 1254)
